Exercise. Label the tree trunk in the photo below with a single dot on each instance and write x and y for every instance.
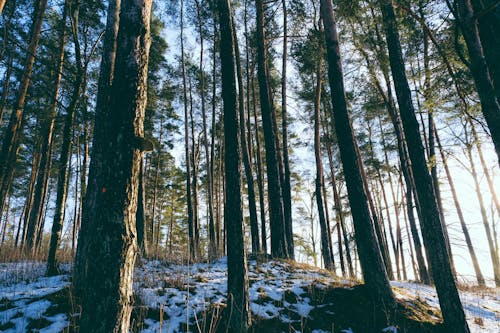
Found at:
(484, 215)
(451, 306)
(488, 17)
(260, 174)
(325, 244)
(96, 180)
(194, 181)
(212, 248)
(140, 218)
(465, 229)
(278, 237)
(33, 220)
(107, 305)
(377, 223)
(490, 104)
(238, 313)
(11, 140)
(405, 165)
(486, 172)
(286, 186)
(64, 158)
(368, 248)
(6, 85)
(214, 189)
(252, 207)
(192, 245)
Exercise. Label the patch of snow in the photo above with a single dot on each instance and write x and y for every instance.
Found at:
(482, 310)
(390, 329)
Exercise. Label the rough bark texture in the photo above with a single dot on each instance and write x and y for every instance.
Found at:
(278, 239)
(237, 313)
(369, 252)
(432, 231)
(95, 179)
(107, 302)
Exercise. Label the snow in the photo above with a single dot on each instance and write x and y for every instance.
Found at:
(184, 294)
(481, 304)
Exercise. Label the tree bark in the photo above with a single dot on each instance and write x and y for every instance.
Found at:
(368, 248)
(252, 207)
(192, 245)
(286, 186)
(64, 158)
(237, 313)
(432, 230)
(107, 305)
(487, 13)
(95, 179)
(490, 104)
(279, 246)
(325, 244)
(260, 174)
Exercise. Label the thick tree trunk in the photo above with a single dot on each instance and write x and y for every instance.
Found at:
(377, 222)
(107, 304)
(96, 180)
(487, 13)
(431, 148)
(237, 313)
(339, 214)
(10, 145)
(490, 104)
(451, 306)
(278, 238)
(405, 165)
(368, 248)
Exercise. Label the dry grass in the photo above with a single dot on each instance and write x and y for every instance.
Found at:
(14, 254)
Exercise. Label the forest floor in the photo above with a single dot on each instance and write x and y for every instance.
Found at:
(284, 297)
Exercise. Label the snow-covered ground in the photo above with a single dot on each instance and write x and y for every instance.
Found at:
(178, 294)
